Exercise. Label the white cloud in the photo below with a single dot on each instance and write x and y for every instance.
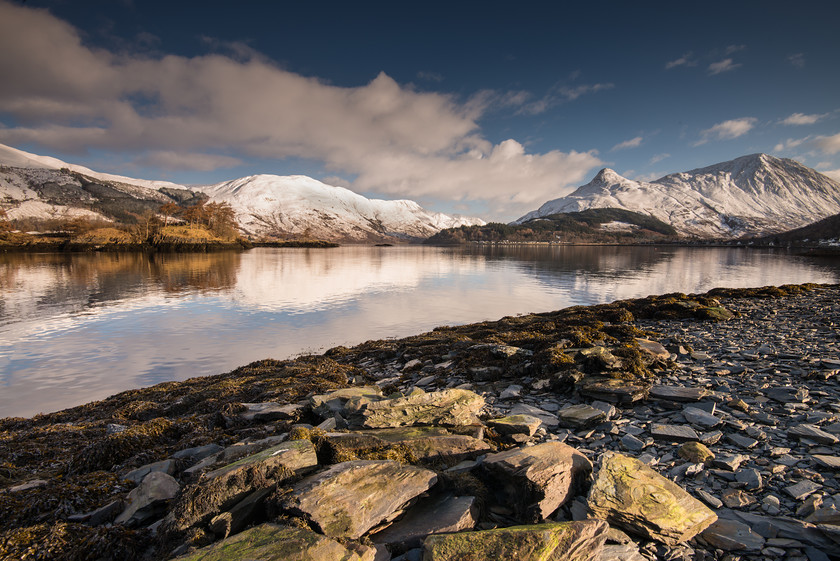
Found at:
(684, 60)
(561, 94)
(798, 60)
(632, 143)
(393, 139)
(724, 65)
(727, 129)
(790, 143)
(832, 173)
(430, 76)
(802, 119)
(827, 144)
(648, 177)
(658, 158)
(734, 49)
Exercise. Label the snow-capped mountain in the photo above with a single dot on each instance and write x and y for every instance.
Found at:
(44, 187)
(748, 196)
(297, 204)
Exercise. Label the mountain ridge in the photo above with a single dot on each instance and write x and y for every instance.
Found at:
(756, 194)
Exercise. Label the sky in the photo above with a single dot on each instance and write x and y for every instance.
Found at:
(481, 108)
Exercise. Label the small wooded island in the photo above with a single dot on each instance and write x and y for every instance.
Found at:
(529, 436)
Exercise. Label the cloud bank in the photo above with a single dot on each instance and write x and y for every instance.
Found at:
(802, 119)
(182, 113)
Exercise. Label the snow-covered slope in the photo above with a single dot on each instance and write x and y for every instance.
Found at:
(752, 195)
(297, 205)
(13, 157)
(44, 187)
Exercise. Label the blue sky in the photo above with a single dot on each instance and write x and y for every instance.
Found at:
(487, 108)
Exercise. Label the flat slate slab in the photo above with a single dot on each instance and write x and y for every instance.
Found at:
(679, 393)
(516, 424)
(614, 391)
(699, 418)
(536, 480)
(673, 433)
(557, 541)
(580, 416)
(654, 349)
(546, 418)
(831, 462)
(731, 535)
(812, 432)
(351, 498)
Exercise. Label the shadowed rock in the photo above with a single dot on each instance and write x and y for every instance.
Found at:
(634, 497)
(435, 515)
(350, 498)
(221, 489)
(535, 481)
(563, 541)
(148, 500)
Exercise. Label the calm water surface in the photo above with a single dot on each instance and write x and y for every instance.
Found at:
(74, 328)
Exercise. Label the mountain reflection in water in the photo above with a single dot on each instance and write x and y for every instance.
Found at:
(78, 327)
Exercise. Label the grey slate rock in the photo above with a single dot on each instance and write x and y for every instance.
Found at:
(751, 478)
(580, 416)
(700, 418)
(741, 440)
(732, 535)
(164, 466)
(630, 442)
(147, 501)
(673, 433)
(678, 393)
(813, 433)
(787, 394)
(802, 489)
(197, 453)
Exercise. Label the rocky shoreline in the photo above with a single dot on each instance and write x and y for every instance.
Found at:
(670, 427)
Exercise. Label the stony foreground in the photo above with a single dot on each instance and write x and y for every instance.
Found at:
(671, 427)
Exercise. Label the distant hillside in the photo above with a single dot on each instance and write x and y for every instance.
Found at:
(601, 225)
(822, 231)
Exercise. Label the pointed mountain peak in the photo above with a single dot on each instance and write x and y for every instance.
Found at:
(608, 175)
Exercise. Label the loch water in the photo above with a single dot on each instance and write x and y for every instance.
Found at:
(80, 327)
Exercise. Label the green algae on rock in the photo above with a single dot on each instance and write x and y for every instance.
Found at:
(557, 541)
(272, 542)
(632, 496)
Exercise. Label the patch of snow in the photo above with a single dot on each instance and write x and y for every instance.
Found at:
(618, 226)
